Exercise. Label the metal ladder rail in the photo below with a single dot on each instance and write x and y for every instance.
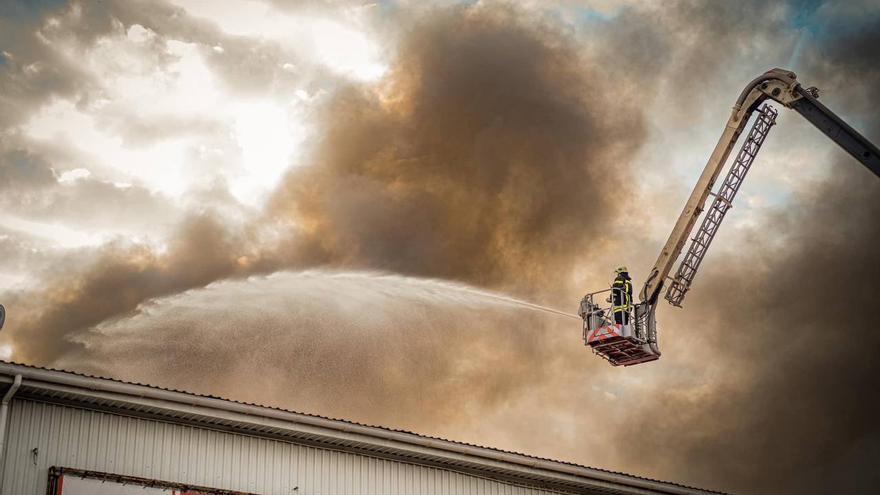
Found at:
(687, 270)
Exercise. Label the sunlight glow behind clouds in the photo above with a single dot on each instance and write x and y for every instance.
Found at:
(59, 235)
(158, 167)
(73, 175)
(345, 50)
(134, 92)
(170, 128)
(163, 119)
(345, 47)
(267, 139)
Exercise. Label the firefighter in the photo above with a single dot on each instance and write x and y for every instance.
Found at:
(621, 296)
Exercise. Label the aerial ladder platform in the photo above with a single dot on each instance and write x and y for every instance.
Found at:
(631, 338)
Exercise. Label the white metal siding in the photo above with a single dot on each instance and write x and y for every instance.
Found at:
(97, 441)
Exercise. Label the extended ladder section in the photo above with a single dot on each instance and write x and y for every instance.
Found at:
(687, 270)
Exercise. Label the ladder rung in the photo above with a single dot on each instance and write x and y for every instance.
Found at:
(722, 203)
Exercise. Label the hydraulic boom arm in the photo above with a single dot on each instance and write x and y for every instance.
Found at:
(782, 87)
(607, 331)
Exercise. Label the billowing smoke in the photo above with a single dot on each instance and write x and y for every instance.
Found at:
(487, 157)
(490, 157)
(113, 282)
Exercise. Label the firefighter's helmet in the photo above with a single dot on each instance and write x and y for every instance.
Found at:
(621, 269)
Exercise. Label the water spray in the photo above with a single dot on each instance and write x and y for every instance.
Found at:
(519, 302)
(440, 288)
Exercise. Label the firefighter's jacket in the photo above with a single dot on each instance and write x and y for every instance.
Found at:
(621, 293)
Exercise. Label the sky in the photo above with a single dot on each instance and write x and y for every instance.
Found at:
(296, 203)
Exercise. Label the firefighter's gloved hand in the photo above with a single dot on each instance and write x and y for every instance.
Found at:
(608, 299)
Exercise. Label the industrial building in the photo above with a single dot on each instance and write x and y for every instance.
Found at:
(65, 433)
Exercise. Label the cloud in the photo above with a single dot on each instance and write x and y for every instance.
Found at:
(20, 169)
(31, 189)
(30, 72)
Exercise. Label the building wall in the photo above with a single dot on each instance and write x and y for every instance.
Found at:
(97, 441)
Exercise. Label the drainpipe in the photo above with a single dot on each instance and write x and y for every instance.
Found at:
(4, 411)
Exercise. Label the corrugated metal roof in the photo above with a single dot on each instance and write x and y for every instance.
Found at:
(135, 403)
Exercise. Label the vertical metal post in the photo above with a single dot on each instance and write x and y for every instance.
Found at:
(4, 412)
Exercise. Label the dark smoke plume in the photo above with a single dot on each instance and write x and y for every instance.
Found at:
(489, 157)
(114, 281)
